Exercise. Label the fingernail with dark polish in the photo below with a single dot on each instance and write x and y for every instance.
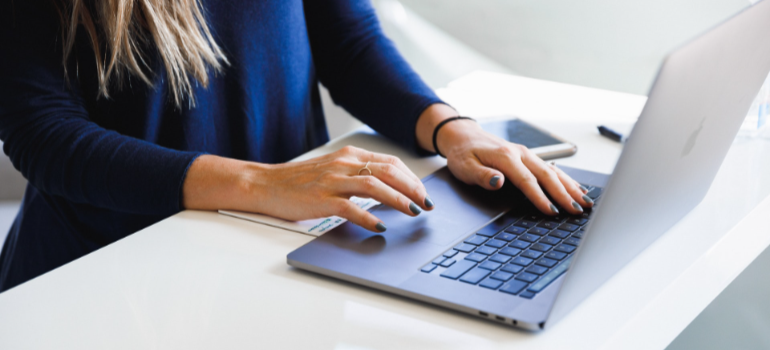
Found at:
(588, 199)
(494, 181)
(428, 202)
(553, 209)
(583, 188)
(415, 209)
(577, 206)
(380, 227)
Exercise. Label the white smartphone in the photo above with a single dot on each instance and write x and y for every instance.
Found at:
(545, 144)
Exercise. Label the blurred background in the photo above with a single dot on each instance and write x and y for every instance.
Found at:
(607, 44)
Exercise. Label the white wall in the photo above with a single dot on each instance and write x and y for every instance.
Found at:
(610, 44)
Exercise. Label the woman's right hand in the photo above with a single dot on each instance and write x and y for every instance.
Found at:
(310, 189)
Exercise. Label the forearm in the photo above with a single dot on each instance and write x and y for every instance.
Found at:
(215, 182)
(363, 70)
(64, 154)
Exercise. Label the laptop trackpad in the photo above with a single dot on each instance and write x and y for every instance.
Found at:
(460, 208)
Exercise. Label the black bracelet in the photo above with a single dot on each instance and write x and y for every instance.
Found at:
(435, 131)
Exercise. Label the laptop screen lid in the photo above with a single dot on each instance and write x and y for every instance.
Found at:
(700, 97)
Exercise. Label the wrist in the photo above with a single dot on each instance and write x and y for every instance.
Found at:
(214, 182)
(455, 134)
(428, 121)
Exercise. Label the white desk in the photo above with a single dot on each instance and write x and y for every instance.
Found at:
(199, 280)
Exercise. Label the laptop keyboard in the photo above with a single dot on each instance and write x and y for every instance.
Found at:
(516, 254)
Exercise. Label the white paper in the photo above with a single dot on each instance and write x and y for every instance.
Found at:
(314, 227)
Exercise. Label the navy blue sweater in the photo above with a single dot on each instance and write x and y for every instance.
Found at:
(100, 169)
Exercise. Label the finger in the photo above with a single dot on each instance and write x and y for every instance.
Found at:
(392, 160)
(572, 182)
(472, 171)
(424, 202)
(573, 188)
(512, 167)
(548, 179)
(370, 186)
(394, 177)
(346, 209)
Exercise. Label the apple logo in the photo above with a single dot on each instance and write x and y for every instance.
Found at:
(691, 140)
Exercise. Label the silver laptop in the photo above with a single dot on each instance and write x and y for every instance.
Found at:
(492, 255)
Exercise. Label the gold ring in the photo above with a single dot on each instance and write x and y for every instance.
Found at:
(366, 167)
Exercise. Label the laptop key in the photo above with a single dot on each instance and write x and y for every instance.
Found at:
(538, 231)
(529, 237)
(527, 294)
(532, 254)
(519, 244)
(549, 240)
(450, 253)
(496, 243)
(537, 269)
(565, 248)
(549, 224)
(569, 227)
(490, 265)
(475, 276)
(513, 287)
(558, 234)
(491, 283)
(485, 250)
(500, 258)
(476, 240)
(458, 269)
(439, 260)
(521, 261)
(496, 226)
(510, 251)
(577, 221)
(512, 268)
(572, 241)
(448, 262)
(542, 247)
(505, 236)
(516, 230)
(526, 223)
(555, 255)
(527, 277)
(578, 234)
(502, 275)
(476, 257)
(428, 268)
(547, 262)
(594, 193)
(465, 248)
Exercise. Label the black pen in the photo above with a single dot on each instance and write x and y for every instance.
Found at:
(611, 134)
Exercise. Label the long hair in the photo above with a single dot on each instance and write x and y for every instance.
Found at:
(119, 31)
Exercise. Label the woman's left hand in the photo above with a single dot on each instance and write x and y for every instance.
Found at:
(477, 157)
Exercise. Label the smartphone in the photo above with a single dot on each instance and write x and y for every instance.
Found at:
(545, 144)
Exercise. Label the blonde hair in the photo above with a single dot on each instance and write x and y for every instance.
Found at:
(120, 29)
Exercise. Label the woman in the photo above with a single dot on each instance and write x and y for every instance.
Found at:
(121, 113)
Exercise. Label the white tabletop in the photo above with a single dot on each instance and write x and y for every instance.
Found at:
(200, 280)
